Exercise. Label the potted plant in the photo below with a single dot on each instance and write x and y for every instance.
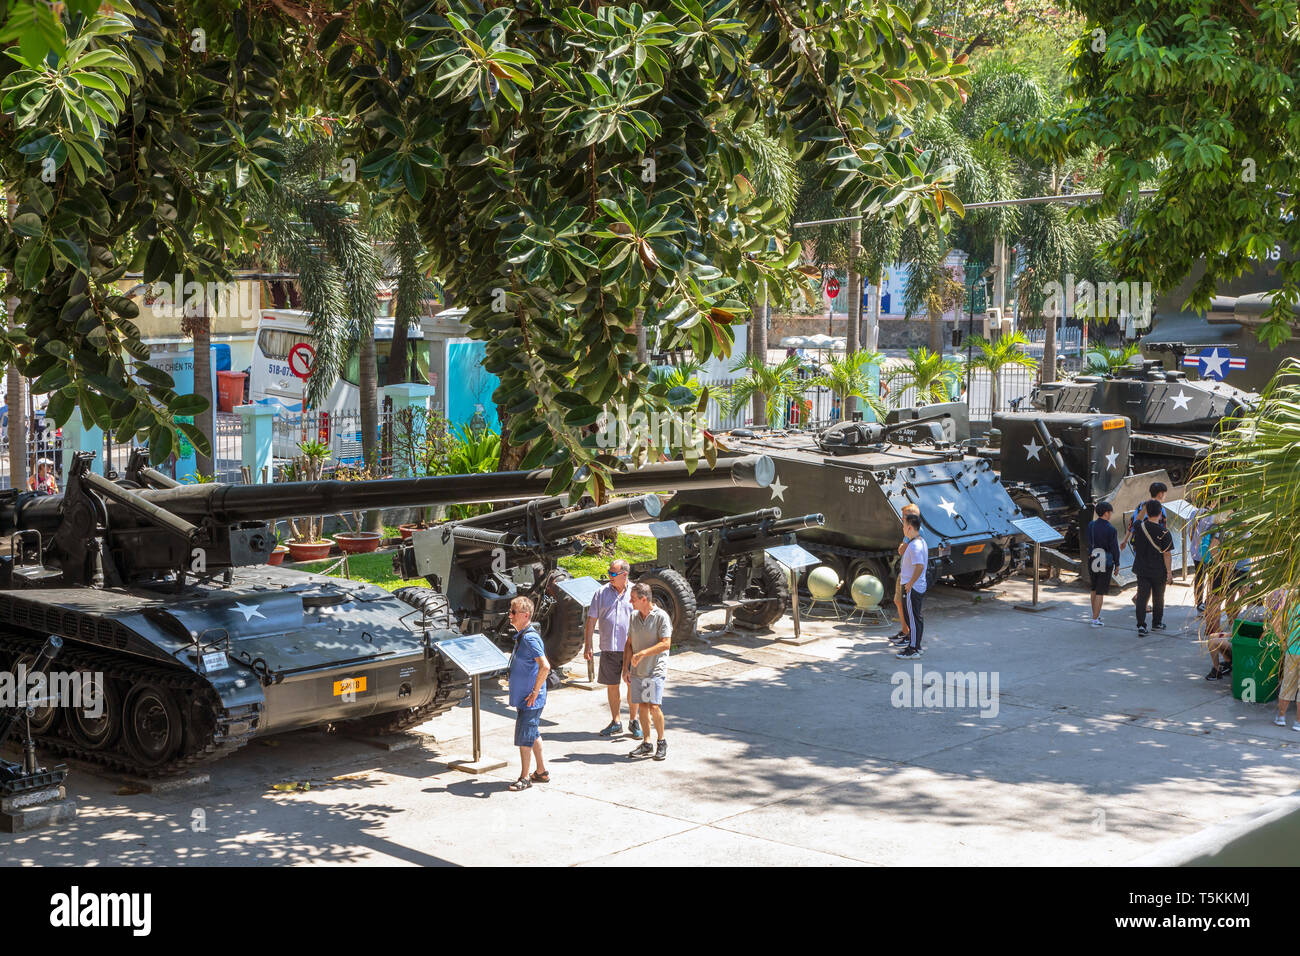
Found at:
(279, 551)
(422, 445)
(354, 540)
(306, 543)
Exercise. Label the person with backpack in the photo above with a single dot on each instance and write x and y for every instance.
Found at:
(1103, 556)
(1157, 490)
(1153, 548)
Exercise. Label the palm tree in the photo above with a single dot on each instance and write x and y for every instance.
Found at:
(848, 376)
(930, 373)
(997, 355)
(776, 383)
(1256, 466)
(1105, 361)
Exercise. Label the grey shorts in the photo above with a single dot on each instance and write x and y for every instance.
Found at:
(611, 667)
(646, 690)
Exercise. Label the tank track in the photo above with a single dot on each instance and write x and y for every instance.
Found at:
(213, 745)
(988, 581)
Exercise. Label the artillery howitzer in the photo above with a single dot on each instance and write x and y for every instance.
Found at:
(480, 564)
(860, 475)
(164, 590)
(723, 560)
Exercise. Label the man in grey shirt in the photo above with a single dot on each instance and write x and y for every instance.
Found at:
(612, 610)
(645, 666)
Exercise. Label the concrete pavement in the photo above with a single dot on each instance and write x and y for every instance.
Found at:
(1102, 746)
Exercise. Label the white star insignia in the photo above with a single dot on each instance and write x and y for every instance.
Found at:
(1213, 364)
(1033, 448)
(1111, 459)
(778, 490)
(1181, 399)
(949, 507)
(249, 611)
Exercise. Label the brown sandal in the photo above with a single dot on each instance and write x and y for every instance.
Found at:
(540, 776)
(520, 784)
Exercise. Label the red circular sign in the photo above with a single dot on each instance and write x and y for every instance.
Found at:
(832, 287)
(301, 359)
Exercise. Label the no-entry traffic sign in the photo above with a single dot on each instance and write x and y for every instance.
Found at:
(301, 359)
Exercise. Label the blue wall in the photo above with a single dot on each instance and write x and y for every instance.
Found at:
(468, 384)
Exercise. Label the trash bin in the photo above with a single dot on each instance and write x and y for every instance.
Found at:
(1254, 660)
(230, 390)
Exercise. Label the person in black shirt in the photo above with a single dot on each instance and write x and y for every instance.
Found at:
(1153, 548)
(1103, 556)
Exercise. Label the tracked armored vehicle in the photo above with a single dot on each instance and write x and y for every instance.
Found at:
(163, 599)
(1058, 465)
(1172, 419)
(859, 476)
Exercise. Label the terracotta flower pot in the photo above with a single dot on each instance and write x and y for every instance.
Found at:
(310, 550)
(358, 542)
(408, 529)
(277, 556)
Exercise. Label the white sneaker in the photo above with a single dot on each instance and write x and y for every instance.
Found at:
(1279, 720)
(1296, 726)
(1096, 622)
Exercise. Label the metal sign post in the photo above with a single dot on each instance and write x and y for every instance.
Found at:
(1040, 532)
(792, 558)
(583, 591)
(475, 656)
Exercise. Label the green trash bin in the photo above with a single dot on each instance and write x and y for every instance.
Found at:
(1254, 661)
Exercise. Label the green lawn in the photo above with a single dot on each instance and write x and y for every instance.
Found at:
(378, 568)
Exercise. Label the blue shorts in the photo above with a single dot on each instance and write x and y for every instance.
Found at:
(646, 690)
(526, 726)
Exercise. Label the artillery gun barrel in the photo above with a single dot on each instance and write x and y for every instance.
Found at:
(228, 504)
(472, 541)
(801, 523)
(731, 521)
(774, 529)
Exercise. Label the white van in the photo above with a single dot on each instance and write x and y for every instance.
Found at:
(336, 422)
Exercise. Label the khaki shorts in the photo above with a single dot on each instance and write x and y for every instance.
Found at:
(1290, 677)
(898, 589)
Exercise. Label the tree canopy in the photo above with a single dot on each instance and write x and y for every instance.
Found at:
(572, 168)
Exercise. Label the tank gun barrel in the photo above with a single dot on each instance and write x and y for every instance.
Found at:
(229, 504)
(731, 521)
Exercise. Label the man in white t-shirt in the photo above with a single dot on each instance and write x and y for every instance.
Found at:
(916, 556)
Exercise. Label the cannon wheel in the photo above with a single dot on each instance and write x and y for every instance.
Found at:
(670, 591)
(564, 635)
(772, 583)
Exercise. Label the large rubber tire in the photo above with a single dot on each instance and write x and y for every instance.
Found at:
(564, 635)
(771, 582)
(670, 591)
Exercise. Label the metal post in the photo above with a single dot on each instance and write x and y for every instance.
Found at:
(970, 333)
(1036, 547)
(478, 750)
(794, 600)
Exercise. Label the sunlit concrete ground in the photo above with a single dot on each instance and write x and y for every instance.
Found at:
(1103, 745)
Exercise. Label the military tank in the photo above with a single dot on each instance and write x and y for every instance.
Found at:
(859, 476)
(1172, 419)
(164, 600)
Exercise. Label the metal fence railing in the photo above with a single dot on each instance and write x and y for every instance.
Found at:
(43, 442)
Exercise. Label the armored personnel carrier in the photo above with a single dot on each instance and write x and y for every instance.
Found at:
(1172, 419)
(859, 476)
(1058, 465)
(163, 598)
